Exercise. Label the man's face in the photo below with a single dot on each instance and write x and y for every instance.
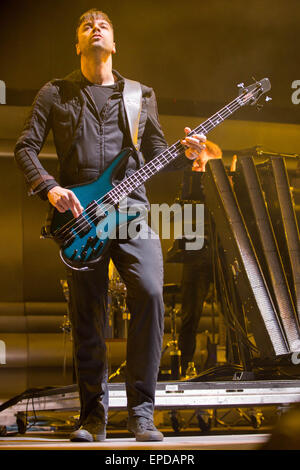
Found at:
(95, 34)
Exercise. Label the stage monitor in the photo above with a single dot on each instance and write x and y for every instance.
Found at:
(243, 264)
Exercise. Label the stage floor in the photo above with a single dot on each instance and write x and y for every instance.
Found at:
(55, 441)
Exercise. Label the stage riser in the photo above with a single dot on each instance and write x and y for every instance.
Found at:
(172, 395)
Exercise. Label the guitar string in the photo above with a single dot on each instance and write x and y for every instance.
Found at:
(207, 126)
(116, 191)
(177, 147)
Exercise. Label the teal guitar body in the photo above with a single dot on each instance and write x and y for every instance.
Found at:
(85, 240)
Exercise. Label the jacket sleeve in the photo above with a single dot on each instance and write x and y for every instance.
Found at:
(31, 141)
(154, 142)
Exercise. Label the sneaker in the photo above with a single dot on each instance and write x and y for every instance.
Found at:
(144, 429)
(92, 430)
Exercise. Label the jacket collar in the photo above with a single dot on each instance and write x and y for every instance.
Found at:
(77, 78)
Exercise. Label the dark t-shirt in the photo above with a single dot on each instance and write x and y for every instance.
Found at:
(101, 93)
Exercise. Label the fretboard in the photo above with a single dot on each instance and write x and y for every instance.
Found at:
(139, 177)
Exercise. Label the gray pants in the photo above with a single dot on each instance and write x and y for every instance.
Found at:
(140, 264)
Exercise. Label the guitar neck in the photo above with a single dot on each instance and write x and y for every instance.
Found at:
(176, 150)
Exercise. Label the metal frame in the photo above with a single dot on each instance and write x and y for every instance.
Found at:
(169, 395)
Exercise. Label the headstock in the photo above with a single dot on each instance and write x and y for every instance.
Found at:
(251, 94)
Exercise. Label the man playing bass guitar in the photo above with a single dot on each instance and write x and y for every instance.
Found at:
(86, 113)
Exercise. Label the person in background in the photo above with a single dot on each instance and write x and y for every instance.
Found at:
(197, 273)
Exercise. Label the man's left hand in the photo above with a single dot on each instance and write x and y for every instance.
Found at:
(195, 144)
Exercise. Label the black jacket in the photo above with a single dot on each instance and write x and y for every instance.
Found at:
(65, 106)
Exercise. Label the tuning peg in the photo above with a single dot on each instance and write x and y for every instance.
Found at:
(240, 85)
(268, 98)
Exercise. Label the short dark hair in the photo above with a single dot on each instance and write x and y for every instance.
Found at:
(93, 13)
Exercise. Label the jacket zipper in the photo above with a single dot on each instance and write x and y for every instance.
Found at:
(101, 156)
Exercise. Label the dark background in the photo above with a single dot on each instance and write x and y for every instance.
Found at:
(192, 53)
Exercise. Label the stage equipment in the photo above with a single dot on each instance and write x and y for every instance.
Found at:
(171, 292)
(282, 209)
(255, 209)
(66, 326)
(191, 189)
(201, 395)
(251, 297)
(118, 312)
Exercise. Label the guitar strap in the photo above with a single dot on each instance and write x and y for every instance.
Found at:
(132, 97)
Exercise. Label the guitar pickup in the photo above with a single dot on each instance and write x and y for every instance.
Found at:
(81, 226)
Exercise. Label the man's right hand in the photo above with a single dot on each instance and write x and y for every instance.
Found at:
(63, 199)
